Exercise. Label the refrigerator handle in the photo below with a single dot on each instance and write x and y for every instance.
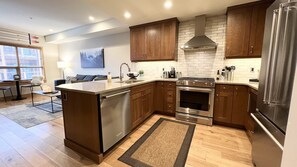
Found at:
(275, 52)
(265, 100)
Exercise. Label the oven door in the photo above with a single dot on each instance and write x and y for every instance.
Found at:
(195, 101)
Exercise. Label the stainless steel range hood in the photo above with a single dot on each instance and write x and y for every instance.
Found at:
(200, 41)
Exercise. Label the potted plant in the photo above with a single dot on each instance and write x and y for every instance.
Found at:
(141, 73)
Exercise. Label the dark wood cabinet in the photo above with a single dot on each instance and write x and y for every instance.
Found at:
(252, 105)
(230, 104)
(136, 108)
(238, 32)
(154, 41)
(141, 104)
(245, 30)
(169, 40)
(137, 44)
(240, 105)
(148, 101)
(257, 29)
(223, 103)
(165, 98)
(159, 96)
(81, 123)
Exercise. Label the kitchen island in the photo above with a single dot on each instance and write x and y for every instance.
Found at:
(82, 111)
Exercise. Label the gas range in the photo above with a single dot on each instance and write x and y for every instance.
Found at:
(196, 82)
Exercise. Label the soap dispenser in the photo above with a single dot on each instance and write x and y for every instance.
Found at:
(108, 77)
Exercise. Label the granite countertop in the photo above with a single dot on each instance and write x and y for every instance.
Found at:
(99, 87)
(253, 85)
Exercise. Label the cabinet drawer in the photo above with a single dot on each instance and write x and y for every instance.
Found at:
(170, 100)
(240, 88)
(223, 88)
(170, 107)
(170, 85)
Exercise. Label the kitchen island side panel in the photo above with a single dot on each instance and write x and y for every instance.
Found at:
(81, 123)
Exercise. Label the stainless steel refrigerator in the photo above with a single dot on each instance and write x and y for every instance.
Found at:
(276, 82)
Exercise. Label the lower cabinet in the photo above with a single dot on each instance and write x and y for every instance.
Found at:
(165, 97)
(252, 105)
(141, 103)
(231, 104)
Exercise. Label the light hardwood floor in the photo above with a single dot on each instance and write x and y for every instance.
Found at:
(42, 145)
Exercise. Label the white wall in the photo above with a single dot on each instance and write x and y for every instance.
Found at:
(51, 56)
(116, 51)
(290, 148)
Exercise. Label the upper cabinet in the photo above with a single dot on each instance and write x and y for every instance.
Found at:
(154, 41)
(245, 30)
(137, 43)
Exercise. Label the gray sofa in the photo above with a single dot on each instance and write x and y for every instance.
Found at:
(81, 78)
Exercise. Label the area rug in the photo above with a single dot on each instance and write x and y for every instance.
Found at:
(29, 116)
(165, 144)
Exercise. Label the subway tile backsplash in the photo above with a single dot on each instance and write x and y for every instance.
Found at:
(202, 63)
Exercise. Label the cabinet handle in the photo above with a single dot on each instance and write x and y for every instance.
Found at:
(249, 103)
(217, 94)
(65, 96)
(252, 50)
(224, 87)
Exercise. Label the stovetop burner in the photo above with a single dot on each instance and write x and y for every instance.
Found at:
(196, 82)
(197, 78)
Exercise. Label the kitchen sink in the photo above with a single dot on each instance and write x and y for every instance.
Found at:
(130, 81)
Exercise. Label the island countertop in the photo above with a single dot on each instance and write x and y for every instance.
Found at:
(99, 87)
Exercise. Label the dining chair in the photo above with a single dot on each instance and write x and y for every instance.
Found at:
(4, 89)
(36, 81)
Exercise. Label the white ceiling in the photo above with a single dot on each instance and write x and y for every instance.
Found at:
(61, 15)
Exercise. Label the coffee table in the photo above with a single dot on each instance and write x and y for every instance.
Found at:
(50, 95)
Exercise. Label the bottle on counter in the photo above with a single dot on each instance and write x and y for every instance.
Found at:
(223, 75)
(218, 75)
(109, 77)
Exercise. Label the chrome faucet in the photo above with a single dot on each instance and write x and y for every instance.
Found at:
(121, 74)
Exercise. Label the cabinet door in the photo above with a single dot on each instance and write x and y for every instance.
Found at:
(147, 102)
(223, 103)
(238, 32)
(137, 44)
(159, 96)
(136, 108)
(153, 41)
(169, 40)
(257, 29)
(240, 102)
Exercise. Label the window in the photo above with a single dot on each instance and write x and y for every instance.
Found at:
(25, 61)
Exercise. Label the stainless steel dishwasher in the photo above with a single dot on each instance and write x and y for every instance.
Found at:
(115, 117)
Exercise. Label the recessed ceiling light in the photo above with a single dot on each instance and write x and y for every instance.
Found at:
(167, 4)
(91, 18)
(127, 15)
(51, 30)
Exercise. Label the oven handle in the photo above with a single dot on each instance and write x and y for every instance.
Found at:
(206, 90)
